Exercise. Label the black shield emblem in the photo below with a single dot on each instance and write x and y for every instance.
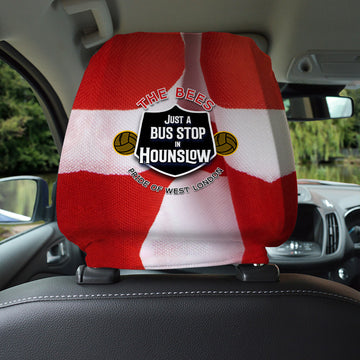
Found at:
(175, 142)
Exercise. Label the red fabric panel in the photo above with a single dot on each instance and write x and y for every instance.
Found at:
(237, 73)
(111, 209)
(266, 215)
(218, 161)
(122, 72)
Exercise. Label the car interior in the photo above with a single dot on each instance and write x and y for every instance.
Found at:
(177, 227)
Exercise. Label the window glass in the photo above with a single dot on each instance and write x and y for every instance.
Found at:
(26, 144)
(329, 149)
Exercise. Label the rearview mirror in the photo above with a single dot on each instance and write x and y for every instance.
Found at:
(318, 108)
(23, 200)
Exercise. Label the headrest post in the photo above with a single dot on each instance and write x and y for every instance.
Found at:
(89, 275)
(258, 272)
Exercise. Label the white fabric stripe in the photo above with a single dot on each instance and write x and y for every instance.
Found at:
(257, 132)
(264, 144)
(202, 227)
(193, 76)
(84, 151)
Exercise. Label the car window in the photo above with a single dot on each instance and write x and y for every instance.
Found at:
(26, 144)
(329, 149)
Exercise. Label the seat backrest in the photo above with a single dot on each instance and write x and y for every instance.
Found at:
(177, 154)
(180, 317)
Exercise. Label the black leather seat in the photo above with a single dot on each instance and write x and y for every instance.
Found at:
(180, 317)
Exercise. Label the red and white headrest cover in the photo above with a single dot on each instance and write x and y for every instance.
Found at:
(177, 154)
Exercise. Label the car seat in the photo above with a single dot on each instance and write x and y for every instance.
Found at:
(178, 164)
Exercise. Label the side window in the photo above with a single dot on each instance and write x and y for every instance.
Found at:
(26, 144)
(329, 149)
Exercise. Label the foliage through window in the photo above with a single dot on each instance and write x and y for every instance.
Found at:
(329, 149)
(26, 144)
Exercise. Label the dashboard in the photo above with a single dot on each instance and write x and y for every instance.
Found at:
(325, 241)
(327, 231)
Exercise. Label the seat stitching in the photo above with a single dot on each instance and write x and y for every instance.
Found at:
(174, 293)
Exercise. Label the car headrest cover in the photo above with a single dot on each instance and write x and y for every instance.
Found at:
(177, 154)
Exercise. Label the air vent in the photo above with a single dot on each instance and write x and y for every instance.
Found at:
(332, 234)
